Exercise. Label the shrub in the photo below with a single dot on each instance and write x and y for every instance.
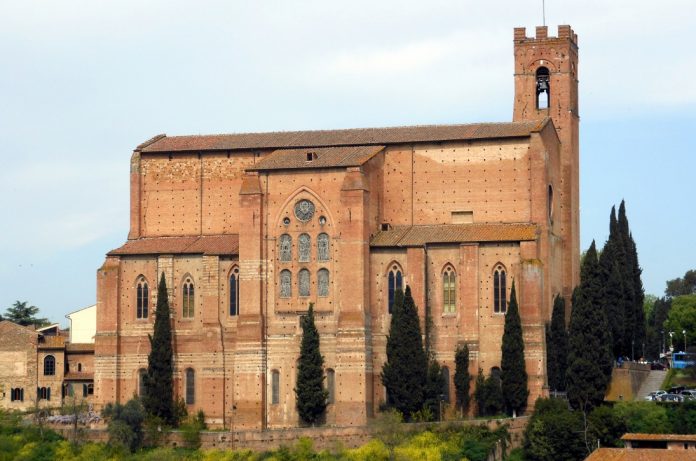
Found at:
(125, 424)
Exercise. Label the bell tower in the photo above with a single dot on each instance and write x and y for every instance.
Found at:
(546, 85)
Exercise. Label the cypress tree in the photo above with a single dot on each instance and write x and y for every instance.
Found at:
(405, 372)
(434, 389)
(494, 403)
(557, 347)
(309, 387)
(159, 385)
(512, 364)
(480, 393)
(589, 353)
(462, 377)
(634, 336)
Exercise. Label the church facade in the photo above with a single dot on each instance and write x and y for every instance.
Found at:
(249, 229)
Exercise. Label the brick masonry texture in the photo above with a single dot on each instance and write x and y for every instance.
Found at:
(225, 211)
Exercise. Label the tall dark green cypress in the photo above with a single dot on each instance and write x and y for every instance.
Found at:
(159, 387)
(557, 346)
(404, 373)
(512, 364)
(633, 289)
(462, 378)
(589, 341)
(309, 388)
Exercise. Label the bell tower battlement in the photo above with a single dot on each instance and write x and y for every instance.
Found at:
(546, 85)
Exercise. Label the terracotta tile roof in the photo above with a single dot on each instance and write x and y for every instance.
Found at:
(642, 454)
(349, 137)
(79, 347)
(321, 157)
(206, 244)
(409, 236)
(660, 437)
(78, 376)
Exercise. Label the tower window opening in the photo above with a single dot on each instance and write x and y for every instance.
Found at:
(543, 90)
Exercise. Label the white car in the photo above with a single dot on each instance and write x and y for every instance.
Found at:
(654, 395)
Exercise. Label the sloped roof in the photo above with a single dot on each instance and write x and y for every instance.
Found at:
(410, 236)
(79, 347)
(641, 454)
(207, 244)
(346, 137)
(319, 157)
(7, 324)
(659, 437)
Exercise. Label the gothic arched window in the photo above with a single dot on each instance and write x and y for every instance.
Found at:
(303, 282)
(190, 386)
(285, 248)
(323, 282)
(499, 290)
(449, 296)
(394, 283)
(285, 283)
(188, 298)
(49, 365)
(234, 291)
(142, 296)
(323, 247)
(304, 244)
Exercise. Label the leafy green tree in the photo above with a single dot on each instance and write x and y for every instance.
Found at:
(682, 286)
(23, 314)
(310, 394)
(656, 330)
(158, 400)
(512, 364)
(494, 403)
(125, 425)
(554, 433)
(682, 417)
(606, 426)
(589, 353)
(643, 417)
(405, 372)
(682, 317)
(462, 378)
(557, 346)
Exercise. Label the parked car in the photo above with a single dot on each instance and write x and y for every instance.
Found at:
(673, 398)
(689, 394)
(654, 395)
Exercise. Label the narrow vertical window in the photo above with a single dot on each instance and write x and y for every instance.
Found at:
(187, 298)
(142, 297)
(304, 247)
(90, 389)
(499, 290)
(323, 247)
(323, 282)
(79, 367)
(190, 386)
(285, 284)
(49, 365)
(449, 297)
(331, 385)
(285, 248)
(275, 387)
(303, 282)
(234, 291)
(446, 384)
(142, 373)
(394, 283)
(84, 390)
(543, 89)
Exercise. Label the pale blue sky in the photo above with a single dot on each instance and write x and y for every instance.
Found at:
(84, 82)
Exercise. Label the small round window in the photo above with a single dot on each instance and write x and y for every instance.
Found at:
(304, 210)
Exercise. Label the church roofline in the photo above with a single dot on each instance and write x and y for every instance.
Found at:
(227, 244)
(343, 137)
(413, 236)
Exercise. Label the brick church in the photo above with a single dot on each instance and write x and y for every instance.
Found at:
(248, 229)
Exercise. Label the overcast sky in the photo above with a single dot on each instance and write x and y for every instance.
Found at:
(83, 82)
